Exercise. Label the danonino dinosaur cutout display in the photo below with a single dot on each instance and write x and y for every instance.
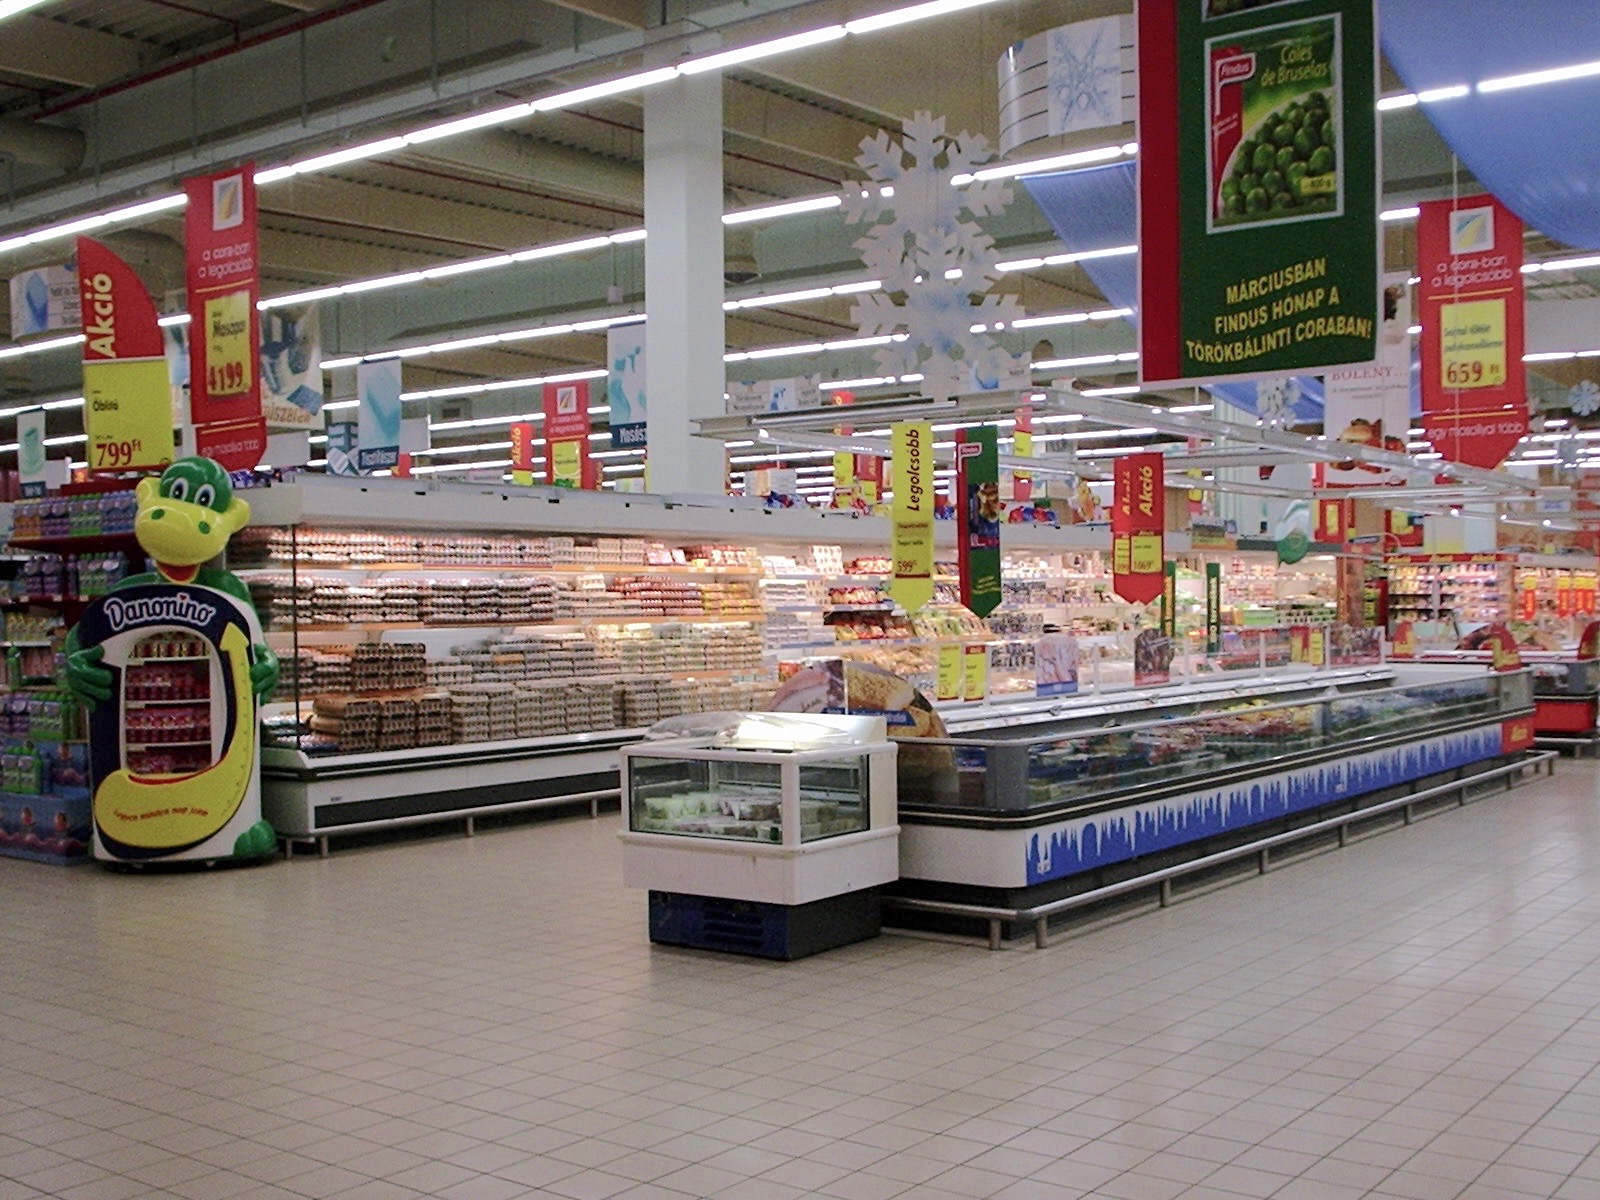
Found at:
(185, 518)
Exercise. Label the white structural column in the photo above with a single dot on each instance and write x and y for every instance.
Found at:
(684, 341)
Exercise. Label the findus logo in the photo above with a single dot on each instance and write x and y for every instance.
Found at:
(181, 609)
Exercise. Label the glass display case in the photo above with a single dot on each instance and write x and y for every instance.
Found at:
(743, 800)
(1034, 766)
(1037, 806)
(768, 835)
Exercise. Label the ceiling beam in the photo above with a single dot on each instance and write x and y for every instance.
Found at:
(630, 14)
(40, 48)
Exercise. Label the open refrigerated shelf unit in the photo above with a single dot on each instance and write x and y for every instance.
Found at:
(345, 571)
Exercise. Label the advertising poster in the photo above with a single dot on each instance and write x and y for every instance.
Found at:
(625, 392)
(223, 268)
(1056, 664)
(342, 448)
(126, 401)
(911, 549)
(31, 457)
(378, 417)
(1258, 187)
(1470, 300)
(774, 395)
(949, 680)
(978, 519)
(1371, 405)
(1138, 528)
(566, 433)
(1152, 658)
(43, 300)
(291, 371)
(975, 671)
(1022, 447)
(522, 455)
(1169, 599)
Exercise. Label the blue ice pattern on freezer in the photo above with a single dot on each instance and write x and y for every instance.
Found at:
(1145, 828)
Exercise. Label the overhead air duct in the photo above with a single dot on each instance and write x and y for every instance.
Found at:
(41, 145)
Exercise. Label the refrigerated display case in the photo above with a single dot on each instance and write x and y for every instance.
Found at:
(770, 837)
(1056, 801)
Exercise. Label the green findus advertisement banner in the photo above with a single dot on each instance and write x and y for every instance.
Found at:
(978, 518)
(1258, 187)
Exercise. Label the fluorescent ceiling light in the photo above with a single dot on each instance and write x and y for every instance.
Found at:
(482, 120)
(11, 8)
(744, 54)
(1038, 166)
(1087, 360)
(598, 91)
(39, 347)
(1452, 92)
(1403, 100)
(1132, 390)
(916, 12)
(767, 212)
(1409, 213)
(1531, 78)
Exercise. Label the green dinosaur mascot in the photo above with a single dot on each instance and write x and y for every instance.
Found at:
(184, 520)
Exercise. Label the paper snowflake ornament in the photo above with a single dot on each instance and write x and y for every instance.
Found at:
(936, 262)
(1584, 398)
(1085, 69)
(1275, 400)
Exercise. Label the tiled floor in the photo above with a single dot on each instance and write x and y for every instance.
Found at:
(1417, 1016)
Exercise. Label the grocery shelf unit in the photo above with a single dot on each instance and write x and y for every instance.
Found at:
(1544, 598)
(1566, 695)
(44, 791)
(310, 796)
(1061, 799)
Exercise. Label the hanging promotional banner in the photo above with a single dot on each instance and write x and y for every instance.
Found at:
(1470, 301)
(1169, 600)
(774, 395)
(978, 519)
(342, 448)
(625, 392)
(1258, 187)
(126, 403)
(31, 457)
(291, 367)
(43, 300)
(1138, 528)
(1022, 447)
(566, 433)
(522, 453)
(234, 445)
(1371, 405)
(911, 547)
(1213, 607)
(378, 417)
(223, 276)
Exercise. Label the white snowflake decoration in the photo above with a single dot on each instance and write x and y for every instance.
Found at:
(1584, 398)
(937, 266)
(1085, 75)
(1276, 399)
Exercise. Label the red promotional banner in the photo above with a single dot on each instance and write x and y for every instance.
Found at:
(127, 398)
(566, 433)
(1470, 301)
(223, 275)
(1138, 528)
(236, 445)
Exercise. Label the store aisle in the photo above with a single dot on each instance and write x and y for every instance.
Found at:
(1417, 1016)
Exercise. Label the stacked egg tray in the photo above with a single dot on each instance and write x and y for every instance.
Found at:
(387, 667)
(512, 659)
(260, 547)
(351, 722)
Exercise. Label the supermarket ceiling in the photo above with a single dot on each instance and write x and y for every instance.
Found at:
(110, 103)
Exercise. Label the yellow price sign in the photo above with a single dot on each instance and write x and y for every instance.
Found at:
(1121, 551)
(566, 464)
(230, 358)
(126, 413)
(1145, 554)
(1472, 342)
(949, 683)
(975, 673)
